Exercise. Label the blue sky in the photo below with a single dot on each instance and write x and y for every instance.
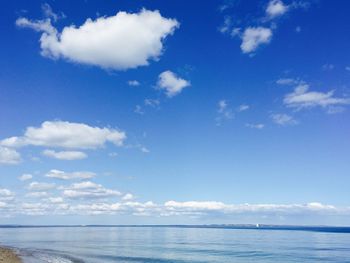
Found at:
(173, 112)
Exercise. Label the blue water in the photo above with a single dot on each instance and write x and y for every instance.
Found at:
(174, 244)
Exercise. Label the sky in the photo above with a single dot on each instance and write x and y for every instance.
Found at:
(171, 112)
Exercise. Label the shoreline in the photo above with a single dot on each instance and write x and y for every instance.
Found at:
(8, 255)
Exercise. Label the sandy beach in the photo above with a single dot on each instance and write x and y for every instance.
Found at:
(8, 256)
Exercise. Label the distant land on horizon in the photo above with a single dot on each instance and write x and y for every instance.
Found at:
(316, 228)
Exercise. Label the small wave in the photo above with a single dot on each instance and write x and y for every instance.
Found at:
(47, 257)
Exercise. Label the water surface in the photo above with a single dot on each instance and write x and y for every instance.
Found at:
(175, 244)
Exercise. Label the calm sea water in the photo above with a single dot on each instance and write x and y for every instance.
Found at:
(178, 245)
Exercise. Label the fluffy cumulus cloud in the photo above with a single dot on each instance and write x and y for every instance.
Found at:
(66, 135)
(9, 156)
(253, 37)
(283, 119)
(58, 174)
(65, 155)
(58, 205)
(123, 41)
(171, 83)
(91, 198)
(301, 98)
(6, 195)
(276, 8)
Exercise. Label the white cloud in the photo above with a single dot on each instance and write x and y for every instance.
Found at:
(195, 205)
(128, 197)
(66, 135)
(123, 41)
(224, 109)
(171, 84)
(259, 34)
(138, 110)
(37, 194)
(283, 119)
(69, 175)
(113, 154)
(88, 190)
(154, 103)
(133, 83)
(253, 37)
(258, 126)
(335, 109)
(243, 107)
(288, 81)
(6, 195)
(206, 207)
(25, 177)
(34, 208)
(84, 195)
(276, 8)
(226, 26)
(144, 150)
(49, 13)
(9, 156)
(347, 68)
(55, 200)
(224, 112)
(65, 155)
(236, 32)
(40, 187)
(301, 98)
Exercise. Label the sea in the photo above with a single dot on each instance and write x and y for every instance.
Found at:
(178, 244)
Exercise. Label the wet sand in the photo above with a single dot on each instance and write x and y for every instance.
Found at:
(8, 256)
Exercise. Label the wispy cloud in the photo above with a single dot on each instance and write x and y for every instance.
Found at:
(302, 98)
(258, 126)
(283, 119)
(88, 190)
(243, 107)
(39, 186)
(58, 174)
(65, 155)
(49, 13)
(25, 177)
(133, 83)
(288, 81)
(224, 112)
